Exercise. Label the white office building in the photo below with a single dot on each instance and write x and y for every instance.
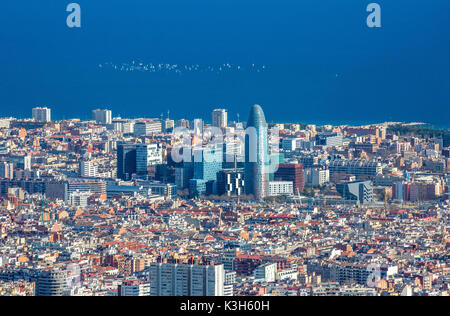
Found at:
(168, 279)
(6, 170)
(278, 188)
(320, 176)
(266, 272)
(42, 114)
(102, 116)
(197, 126)
(88, 169)
(147, 128)
(291, 144)
(80, 199)
(220, 118)
(147, 155)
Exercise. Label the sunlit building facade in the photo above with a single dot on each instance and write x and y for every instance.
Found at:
(256, 175)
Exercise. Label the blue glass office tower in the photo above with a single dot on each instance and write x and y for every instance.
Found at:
(207, 163)
(256, 175)
(126, 161)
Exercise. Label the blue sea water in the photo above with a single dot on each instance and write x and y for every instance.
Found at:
(324, 65)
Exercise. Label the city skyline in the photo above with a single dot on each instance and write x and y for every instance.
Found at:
(79, 177)
(217, 154)
(193, 117)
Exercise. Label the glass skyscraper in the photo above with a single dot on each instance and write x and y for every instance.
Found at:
(256, 173)
(207, 163)
(126, 161)
(136, 158)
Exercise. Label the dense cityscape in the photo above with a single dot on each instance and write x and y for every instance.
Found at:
(164, 207)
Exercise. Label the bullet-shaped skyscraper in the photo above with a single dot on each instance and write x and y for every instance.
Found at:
(256, 175)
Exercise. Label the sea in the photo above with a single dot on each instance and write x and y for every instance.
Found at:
(308, 61)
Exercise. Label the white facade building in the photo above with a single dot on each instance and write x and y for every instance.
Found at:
(266, 272)
(6, 170)
(291, 144)
(277, 188)
(147, 155)
(80, 199)
(220, 118)
(88, 169)
(42, 114)
(168, 279)
(147, 128)
(134, 288)
(102, 116)
(320, 176)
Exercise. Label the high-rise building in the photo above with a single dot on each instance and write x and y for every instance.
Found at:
(6, 170)
(128, 127)
(96, 186)
(42, 114)
(220, 118)
(147, 155)
(329, 139)
(292, 172)
(266, 272)
(446, 139)
(197, 126)
(167, 279)
(183, 175)
(21, 161)
(134, 288)
(292, 144)
(182, 123)
(136, 158)
(230, 182)
(80, 199)
(233, 153)
(168, 125)
(102, 116)
(88, 169)
(51, 283)
(126, 160)
(147, 128)
(207, 163)
(320, 176)
(362, 192)
(358, 168)
(401, 191)
(256, 175)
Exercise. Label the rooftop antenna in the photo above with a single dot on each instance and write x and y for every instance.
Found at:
(238, 116)
(168, 114)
